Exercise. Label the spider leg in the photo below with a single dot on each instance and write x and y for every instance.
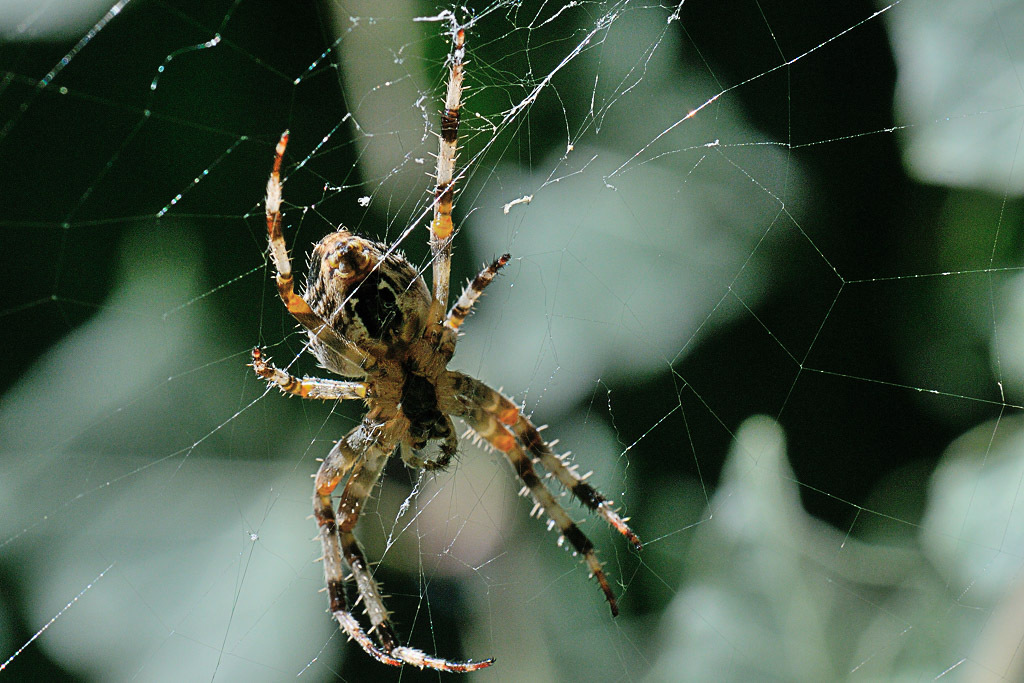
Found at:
(336, 465)
(369, 592)
(462, 308)
(492, 428)
(584, 492)
(295, 304)
(441, 226)
(471, 395)
(362, 455)
(476, 393)
(307, 387)
(355, 495)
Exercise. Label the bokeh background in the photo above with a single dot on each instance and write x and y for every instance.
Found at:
(767, 286)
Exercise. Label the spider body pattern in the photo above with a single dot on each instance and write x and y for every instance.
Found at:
(371, 318)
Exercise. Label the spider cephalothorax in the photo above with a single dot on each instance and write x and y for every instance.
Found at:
(371, 317)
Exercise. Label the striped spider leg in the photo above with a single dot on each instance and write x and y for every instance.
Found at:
(498, 421)
(370, 317)
(441, 227)
(361, 457)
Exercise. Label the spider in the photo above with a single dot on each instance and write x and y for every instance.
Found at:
(371, 317)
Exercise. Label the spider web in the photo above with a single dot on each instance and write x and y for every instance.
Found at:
(765, 283)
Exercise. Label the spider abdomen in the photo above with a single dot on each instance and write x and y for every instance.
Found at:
(364, 292)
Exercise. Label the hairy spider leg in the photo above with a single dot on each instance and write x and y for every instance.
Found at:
(307, 387)
(464, 306)
(350, 505)
(369, 592)
(490, 427)
(338, 541)
(339, 462)
(296, 305)
(475, 398)
(444, 191)
(584, 492)
(476, 392)
(470, 394)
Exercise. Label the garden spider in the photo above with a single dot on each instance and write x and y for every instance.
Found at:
(370, 316)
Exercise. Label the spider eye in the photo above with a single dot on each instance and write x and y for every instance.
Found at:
(349, 256)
